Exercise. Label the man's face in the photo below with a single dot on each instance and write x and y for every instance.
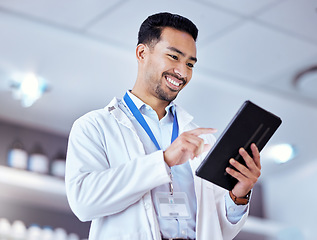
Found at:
(169, 64)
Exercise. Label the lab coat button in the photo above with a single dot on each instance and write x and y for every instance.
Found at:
(147, 206)
(231, 209)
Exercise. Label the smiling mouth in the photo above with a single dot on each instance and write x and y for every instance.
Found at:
(172, 81)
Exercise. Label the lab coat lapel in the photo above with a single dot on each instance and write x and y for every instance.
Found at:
(124, 120)
(119, 115)
(183, 118)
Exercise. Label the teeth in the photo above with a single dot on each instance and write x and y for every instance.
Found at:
(172, 81)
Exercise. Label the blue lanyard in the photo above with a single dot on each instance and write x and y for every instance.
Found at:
(139, 117)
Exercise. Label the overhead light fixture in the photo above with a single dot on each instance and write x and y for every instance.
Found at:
(306, 80)
(28, 88)
(280, 153)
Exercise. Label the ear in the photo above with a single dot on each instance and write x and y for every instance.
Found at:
(140, 52)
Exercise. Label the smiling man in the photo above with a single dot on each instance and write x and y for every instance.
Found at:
(130, 166)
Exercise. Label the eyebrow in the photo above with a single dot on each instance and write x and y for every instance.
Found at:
(181, 53)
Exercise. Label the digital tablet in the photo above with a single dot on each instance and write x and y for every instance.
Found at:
(251, 124)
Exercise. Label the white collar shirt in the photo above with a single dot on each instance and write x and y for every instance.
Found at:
(182, 175)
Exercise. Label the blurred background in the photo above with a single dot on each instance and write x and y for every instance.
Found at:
(80, 54)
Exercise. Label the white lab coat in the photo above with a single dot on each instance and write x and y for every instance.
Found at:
(109, 178)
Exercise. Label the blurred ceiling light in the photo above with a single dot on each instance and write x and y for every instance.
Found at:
(280, 153)
(28, 89)
(306, 80)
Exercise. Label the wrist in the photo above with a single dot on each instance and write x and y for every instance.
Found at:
(166, 160)
(240, 200)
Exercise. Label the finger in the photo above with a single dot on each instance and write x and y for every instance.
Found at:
(237, 175)
(243, 180)
(250, 174)
(207, 147)
(193, 137)
(188, 145)
(256, 155)
(193, 145)
(249, 161)
(198, 144)
(241, 168)
(203, 148)
(200, 131)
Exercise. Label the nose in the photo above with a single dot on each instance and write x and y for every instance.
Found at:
(181, 70)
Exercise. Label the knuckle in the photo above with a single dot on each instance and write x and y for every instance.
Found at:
(183, 148)
(250, 182)
(184, 134)
(191, 149)
(248, 161)
(234, 173)
(183, 142)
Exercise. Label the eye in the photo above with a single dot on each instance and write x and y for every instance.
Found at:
(173, 56)
(190, 65)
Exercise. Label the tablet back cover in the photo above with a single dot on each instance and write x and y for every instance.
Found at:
(251, 124)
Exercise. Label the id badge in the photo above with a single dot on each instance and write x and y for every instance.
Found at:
(174, 206)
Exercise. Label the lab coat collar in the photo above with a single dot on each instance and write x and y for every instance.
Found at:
(183, 117)
(118, 114)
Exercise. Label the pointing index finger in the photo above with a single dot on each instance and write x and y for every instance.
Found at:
(200, 131)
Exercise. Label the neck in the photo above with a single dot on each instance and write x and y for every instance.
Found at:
(156, 104)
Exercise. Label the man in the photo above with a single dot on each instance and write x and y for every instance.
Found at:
(130, 166)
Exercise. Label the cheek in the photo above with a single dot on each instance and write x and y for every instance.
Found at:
(155, 65)
(163, 65)
(189, 75)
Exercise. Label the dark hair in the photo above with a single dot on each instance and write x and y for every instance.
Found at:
(151, 29)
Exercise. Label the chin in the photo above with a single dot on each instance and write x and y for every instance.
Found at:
(168, 98)
(166, 95)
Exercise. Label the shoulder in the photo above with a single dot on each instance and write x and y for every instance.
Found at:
(96, 118)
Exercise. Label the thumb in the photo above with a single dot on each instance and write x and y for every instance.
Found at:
(203, 148)
(207, 147)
